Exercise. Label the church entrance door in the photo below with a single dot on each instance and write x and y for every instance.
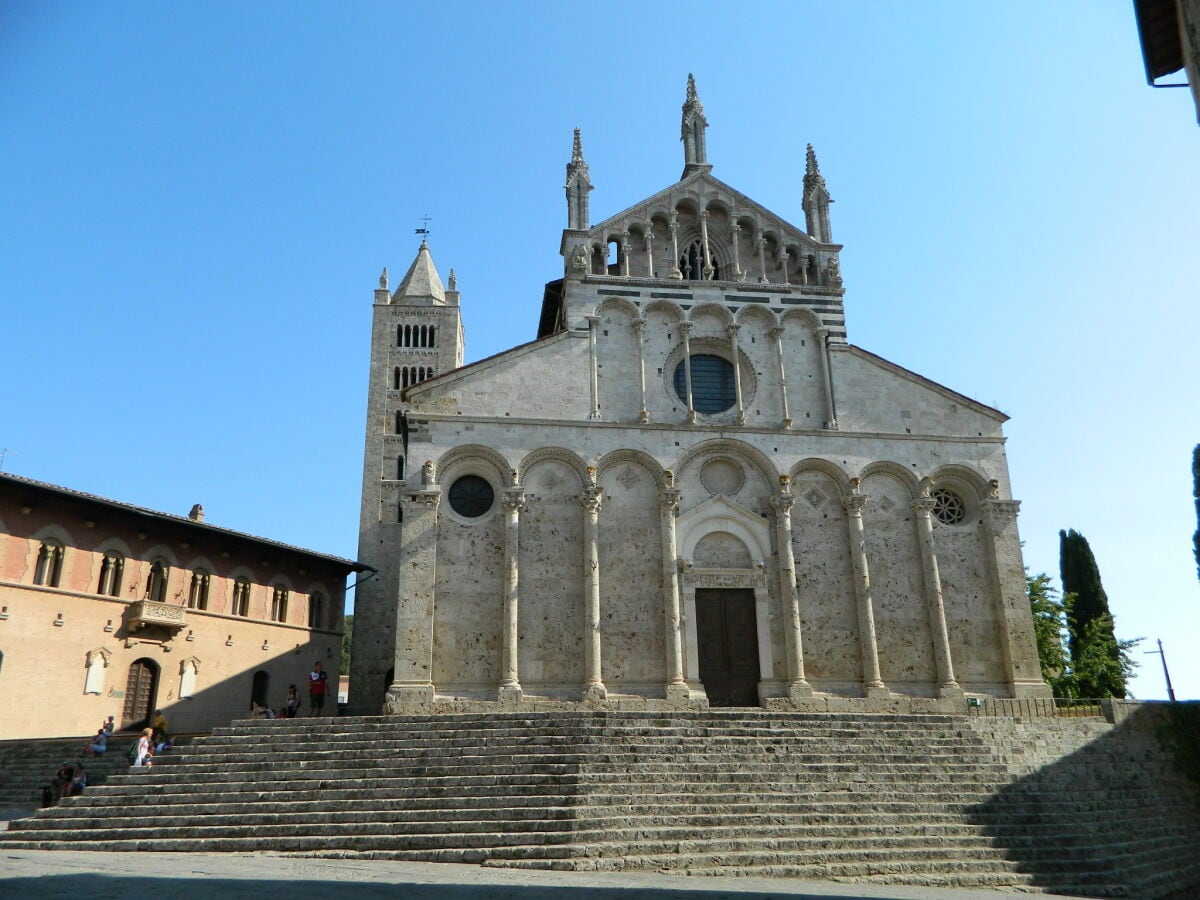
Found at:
(139, 694)
(728, 638)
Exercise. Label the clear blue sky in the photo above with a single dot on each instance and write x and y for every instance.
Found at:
(196, 201)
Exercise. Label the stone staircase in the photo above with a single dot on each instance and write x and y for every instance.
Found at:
(26, 765)
(1069, 806)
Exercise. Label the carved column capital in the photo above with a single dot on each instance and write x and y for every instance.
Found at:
(513, 500)
(732, 329)
(668, 499)
(923, 506)
(639, 325)
(590, 499)
(854, 504)
(1000, 513)
(776, 332)
(685, 328)
(782, 503)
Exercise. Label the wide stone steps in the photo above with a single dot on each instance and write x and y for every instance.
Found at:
(931, 799)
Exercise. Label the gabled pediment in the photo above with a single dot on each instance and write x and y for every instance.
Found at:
(721, 514)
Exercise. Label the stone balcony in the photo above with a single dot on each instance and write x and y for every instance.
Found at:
(142, 613)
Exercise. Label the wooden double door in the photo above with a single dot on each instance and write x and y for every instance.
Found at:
(140, 687)
(727, 632)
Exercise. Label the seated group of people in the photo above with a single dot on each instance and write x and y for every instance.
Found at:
(70, 780)
(289, 709)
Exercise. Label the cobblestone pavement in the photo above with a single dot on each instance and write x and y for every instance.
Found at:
(201, 876)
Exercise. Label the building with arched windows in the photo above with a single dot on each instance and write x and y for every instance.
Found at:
(691, 489)
(112, 609)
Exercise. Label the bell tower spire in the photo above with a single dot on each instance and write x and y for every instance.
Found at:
(695, 151)
(816, 200)
(577, 187)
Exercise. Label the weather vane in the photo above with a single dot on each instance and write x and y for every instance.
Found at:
(424, 229)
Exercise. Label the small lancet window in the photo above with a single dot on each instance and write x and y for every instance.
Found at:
(691, 263)
(48, 570)
(198, 592)
(156, 581)
(112, 567)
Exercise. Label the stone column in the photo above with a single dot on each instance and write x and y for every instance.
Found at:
(675, 273)
(798, 687)
(922, 507)
(593, 684)
(1018, 643)
(873, 685)
(736, 229)
(510, 684)
(593, 326)
(685, 328)
(639, 326)
(411, 690)
(649, 241)
(777, 333)
(783, 261)
(732, 331)
(760, 246)
(676, 689)
(625, 253)
(708, 266)
(823, 353)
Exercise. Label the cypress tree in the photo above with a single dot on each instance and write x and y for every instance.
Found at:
(1196, 496)
(1099, 662)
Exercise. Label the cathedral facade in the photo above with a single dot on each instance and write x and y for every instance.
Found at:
(689, 490)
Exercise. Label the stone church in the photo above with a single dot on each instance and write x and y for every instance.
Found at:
(689, 490)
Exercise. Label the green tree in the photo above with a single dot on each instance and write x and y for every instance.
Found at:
(1081, 577)
(347, 634)
(1103, 665)
(1050, 630)
(1196, 497)
(1100, 665)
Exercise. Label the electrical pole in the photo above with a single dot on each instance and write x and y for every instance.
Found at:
(1166, 673)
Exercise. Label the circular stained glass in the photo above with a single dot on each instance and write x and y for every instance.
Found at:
(471, 496)
(948, 507)
(712, 383)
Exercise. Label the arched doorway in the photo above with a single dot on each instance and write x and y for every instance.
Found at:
(141, 686)
(259, 688)
(727, 633)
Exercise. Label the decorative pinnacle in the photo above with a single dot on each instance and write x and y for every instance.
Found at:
(691, 89)
(577, 150)
(812, 171)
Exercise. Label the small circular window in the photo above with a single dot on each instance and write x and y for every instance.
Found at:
(712, 383)
(948, 507)
(471, 496)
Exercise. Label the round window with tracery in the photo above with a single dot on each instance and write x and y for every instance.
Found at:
(948, 507)
(471, 496)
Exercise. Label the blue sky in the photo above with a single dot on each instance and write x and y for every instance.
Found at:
(196, 201)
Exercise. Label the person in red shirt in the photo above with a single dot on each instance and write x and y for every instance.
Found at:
(317, 682)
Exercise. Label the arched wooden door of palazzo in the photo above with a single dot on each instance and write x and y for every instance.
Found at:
(727, 633)
(140, 688)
